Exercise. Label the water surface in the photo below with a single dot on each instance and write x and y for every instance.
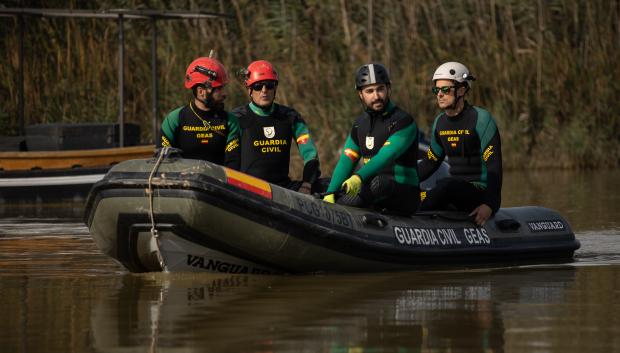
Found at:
(60, 294)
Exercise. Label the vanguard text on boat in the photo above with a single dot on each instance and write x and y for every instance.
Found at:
(176, 214)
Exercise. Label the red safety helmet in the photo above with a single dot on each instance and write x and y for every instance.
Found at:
(205, 70)
(260, 70)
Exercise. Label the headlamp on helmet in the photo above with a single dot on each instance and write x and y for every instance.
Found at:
(205, 71)
(454, 71)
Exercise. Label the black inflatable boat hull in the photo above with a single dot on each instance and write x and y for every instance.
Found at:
(204, 217)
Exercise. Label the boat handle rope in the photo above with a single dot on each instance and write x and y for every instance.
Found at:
(154, 234)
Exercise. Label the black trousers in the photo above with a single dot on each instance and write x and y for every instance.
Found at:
(383, 193)
(453, 194)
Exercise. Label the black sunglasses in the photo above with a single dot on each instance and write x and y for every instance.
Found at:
(444, 89)
(259, 86)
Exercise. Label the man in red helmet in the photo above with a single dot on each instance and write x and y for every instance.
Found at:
(267, 130)
(202, 129)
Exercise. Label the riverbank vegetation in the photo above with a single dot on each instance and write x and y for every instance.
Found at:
(547, 70)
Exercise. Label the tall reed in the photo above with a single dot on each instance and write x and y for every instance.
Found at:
(546, 69)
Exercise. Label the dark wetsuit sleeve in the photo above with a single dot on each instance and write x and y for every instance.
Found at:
(348, 160)
(169, 128)
(393, 148)
(434, 156)
(233, 149)
(491, 151)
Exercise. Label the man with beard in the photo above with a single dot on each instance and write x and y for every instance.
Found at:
(385, 139)
(267, 130)
(202, 129)
(469, 137)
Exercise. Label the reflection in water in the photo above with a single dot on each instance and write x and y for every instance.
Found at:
(588, 199)
(557, 308)
(50, 247)
(73, 210)
(408, 312)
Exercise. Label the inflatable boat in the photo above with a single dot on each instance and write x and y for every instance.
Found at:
(173, 214)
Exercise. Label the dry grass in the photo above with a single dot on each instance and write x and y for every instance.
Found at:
(547, 69)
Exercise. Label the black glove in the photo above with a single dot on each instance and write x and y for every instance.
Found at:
(311, 171)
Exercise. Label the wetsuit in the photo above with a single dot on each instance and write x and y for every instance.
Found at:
(471, 141)
(266, 136)
(387, 143)
(200, 134)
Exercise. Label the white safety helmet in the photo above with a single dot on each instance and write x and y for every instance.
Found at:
(454, 71)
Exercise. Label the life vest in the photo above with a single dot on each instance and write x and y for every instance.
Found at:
(201, 138)
(460, 139)
(374, 131)
(266, 142)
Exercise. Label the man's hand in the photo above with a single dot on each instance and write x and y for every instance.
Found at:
(305, 188)
(482, 213)
(353, 185)
(329, 198)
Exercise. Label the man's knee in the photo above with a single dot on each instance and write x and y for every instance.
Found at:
(439, 196)
(347, 200)
(381, 186)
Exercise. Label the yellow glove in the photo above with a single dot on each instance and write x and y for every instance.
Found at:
(330, 198)
(353, 185)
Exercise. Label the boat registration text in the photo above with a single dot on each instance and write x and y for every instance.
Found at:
(324, 211)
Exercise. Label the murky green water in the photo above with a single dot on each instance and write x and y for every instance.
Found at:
(60, 294)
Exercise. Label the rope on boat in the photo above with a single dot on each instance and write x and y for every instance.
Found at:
(154, 234)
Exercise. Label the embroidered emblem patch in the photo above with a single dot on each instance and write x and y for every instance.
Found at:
(269, 131)
(370, 142)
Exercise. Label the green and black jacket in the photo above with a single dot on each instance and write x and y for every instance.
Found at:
(472, 143)
(200, 134)
(386, 143)
(266, 136)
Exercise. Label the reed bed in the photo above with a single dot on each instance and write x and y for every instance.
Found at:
(547, 70)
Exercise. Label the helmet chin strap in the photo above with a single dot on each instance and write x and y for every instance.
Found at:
(457, 97)
(208, 101)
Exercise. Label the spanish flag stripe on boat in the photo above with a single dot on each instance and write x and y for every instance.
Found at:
(248, 182)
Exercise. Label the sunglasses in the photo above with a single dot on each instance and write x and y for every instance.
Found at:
(444, 89)
(259, 86)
